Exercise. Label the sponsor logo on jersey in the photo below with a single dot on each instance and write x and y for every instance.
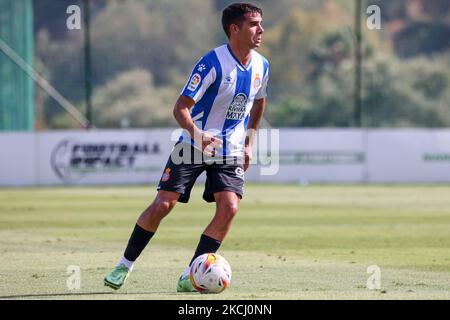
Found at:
(236, 110)
(201, 67)
(228, 80)
(194, 82)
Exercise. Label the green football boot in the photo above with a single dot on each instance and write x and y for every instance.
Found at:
(185, 285)
(117, 277)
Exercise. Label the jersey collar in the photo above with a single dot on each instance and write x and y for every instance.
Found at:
(246, 68)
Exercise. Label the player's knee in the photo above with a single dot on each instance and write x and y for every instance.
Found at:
(228, 210)
(163, 206)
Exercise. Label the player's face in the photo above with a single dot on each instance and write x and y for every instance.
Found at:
(251, 30)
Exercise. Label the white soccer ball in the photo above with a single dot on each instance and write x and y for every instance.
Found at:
(210, 273)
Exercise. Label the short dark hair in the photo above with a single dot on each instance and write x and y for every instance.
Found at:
(235, 14)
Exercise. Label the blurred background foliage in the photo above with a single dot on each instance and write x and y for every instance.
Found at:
(143, 52)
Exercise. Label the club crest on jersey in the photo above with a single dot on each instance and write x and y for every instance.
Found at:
(236, 110)
(195, 80)
(257, 82)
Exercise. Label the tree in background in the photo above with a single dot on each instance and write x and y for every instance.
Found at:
(143, 50)
(131, 99)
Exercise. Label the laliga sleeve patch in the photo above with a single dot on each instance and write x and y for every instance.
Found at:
(194, 82)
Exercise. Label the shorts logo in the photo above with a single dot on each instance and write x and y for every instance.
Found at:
(166, 175)
(236, 110)
(239, 172)
(257, 81)
(194, 82)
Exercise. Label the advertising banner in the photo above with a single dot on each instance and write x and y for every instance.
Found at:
(301, 156)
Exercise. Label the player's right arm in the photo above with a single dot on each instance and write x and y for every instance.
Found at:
(201, 78)
(182, 114)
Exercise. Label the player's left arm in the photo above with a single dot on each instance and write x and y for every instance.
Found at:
(256, 114)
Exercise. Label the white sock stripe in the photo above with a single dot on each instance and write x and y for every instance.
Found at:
(127, 263)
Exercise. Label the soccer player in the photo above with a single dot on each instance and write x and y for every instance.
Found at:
(220, 108)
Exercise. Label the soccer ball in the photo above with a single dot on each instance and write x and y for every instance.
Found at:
(210, 273)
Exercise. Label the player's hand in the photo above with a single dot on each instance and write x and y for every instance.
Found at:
(210, 143)
(248, 153)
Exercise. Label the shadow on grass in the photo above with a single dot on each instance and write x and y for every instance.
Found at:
(50, 295)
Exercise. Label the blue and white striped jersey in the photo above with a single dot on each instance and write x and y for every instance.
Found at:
(224, 90)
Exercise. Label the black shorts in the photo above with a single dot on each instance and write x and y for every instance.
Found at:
(224, 174)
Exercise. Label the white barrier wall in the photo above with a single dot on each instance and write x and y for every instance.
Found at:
(319, 155)
(297, 155)
(408, 155)
(18, 159)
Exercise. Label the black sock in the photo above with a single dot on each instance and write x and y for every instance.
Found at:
(206, 245)
(138, 240)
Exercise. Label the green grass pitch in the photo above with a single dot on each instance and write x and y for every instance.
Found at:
(287, 242)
